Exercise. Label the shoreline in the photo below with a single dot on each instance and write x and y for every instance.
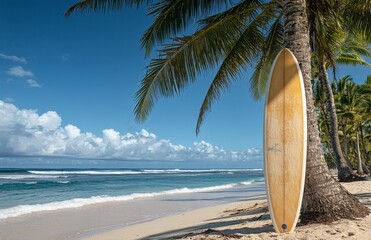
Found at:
(179, 225)
(244, 220)
(237, 213)
(78, 223)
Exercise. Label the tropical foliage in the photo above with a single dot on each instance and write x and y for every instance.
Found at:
(348, 48)
(353, 104)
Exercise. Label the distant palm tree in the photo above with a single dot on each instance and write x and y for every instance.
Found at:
(346, 49)
(353, 103)
(323, 123)
(233, 39)
(352, 109)
(365, 129)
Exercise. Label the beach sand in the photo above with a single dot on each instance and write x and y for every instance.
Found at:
(237, 213)
(81, 222)
(243, 220)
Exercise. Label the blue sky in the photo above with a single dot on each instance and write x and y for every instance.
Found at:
(87, 68)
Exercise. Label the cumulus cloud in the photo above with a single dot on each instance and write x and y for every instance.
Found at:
(13, 58)
(25, 132)
(32, 83)
(18, 71)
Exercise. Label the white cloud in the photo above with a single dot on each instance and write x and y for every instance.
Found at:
(25, 132)
(72, 131)
(13, 58)
(18, 71)
(50, 121)
(32, 83)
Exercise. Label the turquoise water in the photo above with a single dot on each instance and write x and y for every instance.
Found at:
(32, 190)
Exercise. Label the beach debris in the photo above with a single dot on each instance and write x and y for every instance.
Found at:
(210, 231)
(256, 208)
(262, 217)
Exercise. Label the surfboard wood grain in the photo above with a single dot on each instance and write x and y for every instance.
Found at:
(285, 139)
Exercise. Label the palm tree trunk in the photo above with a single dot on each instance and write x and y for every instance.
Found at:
(359, 159)
(346, 144)
(332, 158)
(327, 131)
(344, 172)
(325, 119)
(324, 197)
(365, 168)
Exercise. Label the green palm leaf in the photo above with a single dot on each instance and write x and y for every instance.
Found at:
(271, 46)
(351, 59)
(245, 50)
(102, 5)
(180, 62)
(358, 18)
(171, 16)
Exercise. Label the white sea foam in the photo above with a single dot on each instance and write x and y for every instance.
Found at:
(245, 183)
(148, 171)
(174, 171)
(229, 171)
(104, 172)
(27, 176)
(30, 183)
(80, 202)
(63, 182)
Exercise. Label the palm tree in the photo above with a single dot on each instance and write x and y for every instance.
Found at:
(323, 122)
(365, 128)
(297, 39)
(353, 105)
(233, 39)
(347, 50)
(336, 38)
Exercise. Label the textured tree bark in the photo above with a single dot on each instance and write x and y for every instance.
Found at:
(324, 198)
(365, 168)
(326, 142)
(346, 143)
(359, 159)
(344, 171)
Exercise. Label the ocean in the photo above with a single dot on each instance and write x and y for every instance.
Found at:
(24, 191)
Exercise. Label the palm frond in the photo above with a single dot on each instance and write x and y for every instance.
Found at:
(329, 36)
(180, 62)
(171, 16)
(102, 5)
(243, 53)
(356, 45)
(358, 18)
(271, 47)
(351, 59)
(326, 29)
(242, 8)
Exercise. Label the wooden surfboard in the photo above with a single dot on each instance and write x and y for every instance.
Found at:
(285, 141)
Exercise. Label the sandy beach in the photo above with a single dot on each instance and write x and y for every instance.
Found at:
(90, 220)
(237, 213)
(243, 220)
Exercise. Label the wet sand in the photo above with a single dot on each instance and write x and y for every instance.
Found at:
(78, 223)
(244, 220)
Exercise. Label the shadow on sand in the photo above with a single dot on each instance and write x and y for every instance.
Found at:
(364, 197)
(223, 222)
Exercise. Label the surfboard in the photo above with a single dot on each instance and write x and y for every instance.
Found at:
(285, 141)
